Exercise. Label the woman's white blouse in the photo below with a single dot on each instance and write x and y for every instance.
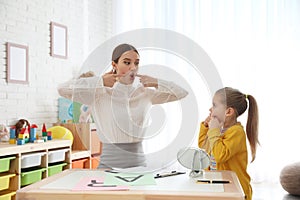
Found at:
(120, 112)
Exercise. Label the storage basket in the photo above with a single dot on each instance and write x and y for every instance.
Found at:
(95, 161)
(4, 181)
(5, 163)
(7, 196)
(55, 169)
(57, 155)
(30, 177)
(31, 160)
(79, 164)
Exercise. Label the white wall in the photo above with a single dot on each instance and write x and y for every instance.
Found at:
(27, 22)
(255, 46)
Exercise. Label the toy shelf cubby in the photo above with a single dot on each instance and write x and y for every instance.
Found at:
(19, 170)
(86, 144)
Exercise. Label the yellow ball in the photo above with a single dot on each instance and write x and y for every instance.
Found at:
(60, 132)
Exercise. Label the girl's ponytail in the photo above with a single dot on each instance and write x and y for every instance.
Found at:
(252, 125)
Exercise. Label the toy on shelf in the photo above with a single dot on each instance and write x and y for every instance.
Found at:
(49, 135)
(20, 141)
(24, 135)
(12, 135)
(32, 136)
(44, 130)
(22, 131)
(4, 136)
(60, 132)
(21, 125)
(44, 133)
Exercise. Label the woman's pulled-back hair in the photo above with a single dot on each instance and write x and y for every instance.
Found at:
(120, 49)
(238, 101)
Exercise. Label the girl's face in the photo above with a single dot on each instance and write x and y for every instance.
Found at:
(127, 66)
(218, 110)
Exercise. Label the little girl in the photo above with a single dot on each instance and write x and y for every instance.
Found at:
(224, 138)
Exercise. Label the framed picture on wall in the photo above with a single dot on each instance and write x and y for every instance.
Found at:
(17, 63)
(59, 40)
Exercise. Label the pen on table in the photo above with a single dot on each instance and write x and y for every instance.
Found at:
(173, 173)
(106, 186)
(213, 181)
(111, 171)
(95, 185)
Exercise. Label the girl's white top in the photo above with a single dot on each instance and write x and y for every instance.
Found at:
(120, 112)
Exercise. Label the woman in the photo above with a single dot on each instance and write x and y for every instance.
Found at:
(120, 109)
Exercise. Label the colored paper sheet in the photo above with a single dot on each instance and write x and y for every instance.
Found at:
(129, 179)
(91, 183)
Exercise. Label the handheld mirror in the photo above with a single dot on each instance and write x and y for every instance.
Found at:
(195, 159)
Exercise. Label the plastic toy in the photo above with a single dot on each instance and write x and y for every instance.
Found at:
(20, 141)
(44, 131)
(24, 135)
(4, 136)
(49, 135)
(21, 125)
(60, 132)
(32, 135)
(12, 135)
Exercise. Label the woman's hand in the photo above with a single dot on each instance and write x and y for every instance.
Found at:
(148, 81)
(109, 79)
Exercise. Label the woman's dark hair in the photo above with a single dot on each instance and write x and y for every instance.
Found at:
(120, 49)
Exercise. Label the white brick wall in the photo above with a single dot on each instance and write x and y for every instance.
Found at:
(27, 22)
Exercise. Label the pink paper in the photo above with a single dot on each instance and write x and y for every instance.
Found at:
(92, 183)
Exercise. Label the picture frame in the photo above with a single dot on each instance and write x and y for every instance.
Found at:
(59, 40)
(17, 63)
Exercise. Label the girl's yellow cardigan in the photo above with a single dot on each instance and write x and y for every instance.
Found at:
(229, 150)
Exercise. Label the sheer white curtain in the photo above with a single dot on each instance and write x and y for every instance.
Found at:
(255, 46)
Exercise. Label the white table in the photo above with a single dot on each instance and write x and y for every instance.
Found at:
(180, 187)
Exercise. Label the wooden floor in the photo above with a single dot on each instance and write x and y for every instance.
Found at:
(268, 191)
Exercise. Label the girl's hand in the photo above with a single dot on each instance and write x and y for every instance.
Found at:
(148, 81)
(110, 78)
(215, 123)
(207, 120)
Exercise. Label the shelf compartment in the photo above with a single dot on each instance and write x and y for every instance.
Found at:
(55, 169)
(31, 160)
(32, 176)
(4, 181)
(7, 196)
(57, 155)
(95, 159)
(79, 164)
(5, 163)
